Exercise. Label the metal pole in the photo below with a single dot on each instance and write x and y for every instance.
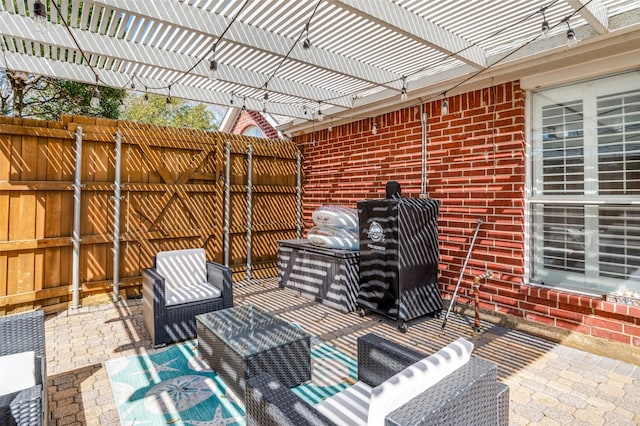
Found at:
(77, 192)
(299, 194)
(423, 180)
(249, 207)
(117, 190)
(464, 266)
(227, 203)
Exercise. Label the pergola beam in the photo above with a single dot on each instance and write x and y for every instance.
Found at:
(192, 19)
(595, 13)
(106, 47)
(402, 21)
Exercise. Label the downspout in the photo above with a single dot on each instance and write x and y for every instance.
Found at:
(249, 206)
(117, 190)
(299, 195)
(77, 193)
(227, 203)
(423, 178)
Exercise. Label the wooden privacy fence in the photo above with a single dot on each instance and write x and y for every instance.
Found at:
(172, 194)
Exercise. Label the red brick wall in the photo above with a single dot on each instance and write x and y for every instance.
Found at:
(476, 168)
(253, 118)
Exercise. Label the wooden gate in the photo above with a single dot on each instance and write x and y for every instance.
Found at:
(172, 197)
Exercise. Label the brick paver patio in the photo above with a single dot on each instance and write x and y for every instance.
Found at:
(550, 384)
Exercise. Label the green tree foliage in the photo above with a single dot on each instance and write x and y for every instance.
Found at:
(48, 98)
(153, 109)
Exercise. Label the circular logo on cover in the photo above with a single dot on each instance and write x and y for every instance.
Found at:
(376, 233)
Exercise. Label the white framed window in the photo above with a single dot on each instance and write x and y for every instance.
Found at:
(585, 185)
(253, 131)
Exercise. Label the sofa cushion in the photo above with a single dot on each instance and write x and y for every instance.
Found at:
(175, 295)
(180, 269)
(415, 379)
(348, 407)
(17, 372)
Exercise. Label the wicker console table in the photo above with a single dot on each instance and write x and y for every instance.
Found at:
(245, 341)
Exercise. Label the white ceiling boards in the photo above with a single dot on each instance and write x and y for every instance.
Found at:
(361, 52)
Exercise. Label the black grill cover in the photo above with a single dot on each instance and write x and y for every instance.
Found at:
(399, 257)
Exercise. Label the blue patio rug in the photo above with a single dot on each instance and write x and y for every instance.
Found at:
(174, 386)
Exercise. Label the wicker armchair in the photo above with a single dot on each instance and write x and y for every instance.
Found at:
(180, 286)
(21, 333)
(471, 395)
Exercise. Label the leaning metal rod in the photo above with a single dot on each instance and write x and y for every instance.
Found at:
(464, 266)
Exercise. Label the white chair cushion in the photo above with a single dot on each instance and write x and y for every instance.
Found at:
(182, 269)
(17, 372)
(175, 295)
(415, 379)
(348, 407)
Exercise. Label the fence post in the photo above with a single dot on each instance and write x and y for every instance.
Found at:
(77, 193)
(117, 190)
(227, 203)
(249, 206)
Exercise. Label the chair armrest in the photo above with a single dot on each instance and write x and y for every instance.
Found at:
(153, 288)
(22, 332)
(270, 403)
(468, 396)
(26, 407)
(221, 276)
(379, 359)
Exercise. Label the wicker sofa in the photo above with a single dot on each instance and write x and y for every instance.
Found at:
(23, 391)
(470, 395)
(180, 285)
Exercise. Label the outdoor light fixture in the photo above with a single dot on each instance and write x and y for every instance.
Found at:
(374, 127)
(445, 104)
(572, 39)
(213, 69)
(320, 114)
(545, 23)
(169, 101)
(403, 93)
(265, 100)
(330, 128)
(213, 65)
(95, 98)
(306, 44)
(40, 16)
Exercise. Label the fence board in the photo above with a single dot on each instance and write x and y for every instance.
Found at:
(172, 197)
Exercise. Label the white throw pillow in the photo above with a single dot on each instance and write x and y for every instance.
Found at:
(182, 268)
(415, 379)
(348, 407)
(17, 372)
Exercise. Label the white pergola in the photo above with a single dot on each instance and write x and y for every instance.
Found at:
(362, 51)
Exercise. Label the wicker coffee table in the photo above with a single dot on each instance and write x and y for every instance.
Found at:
(244, 341)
